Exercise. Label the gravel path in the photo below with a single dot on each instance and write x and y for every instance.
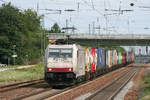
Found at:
(3, 69)
(20, 67)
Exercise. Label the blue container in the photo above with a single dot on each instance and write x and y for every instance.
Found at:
(101, 61)
(106, 51)
(103, 57)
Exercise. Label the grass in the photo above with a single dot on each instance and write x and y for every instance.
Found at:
(35, 72)
(146, 87)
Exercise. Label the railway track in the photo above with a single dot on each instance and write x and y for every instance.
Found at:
(48, 93)
(112, 89)
(10, 87)
(45, 93)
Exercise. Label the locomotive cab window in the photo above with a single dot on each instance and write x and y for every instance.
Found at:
(60, 53)
(54, 52)
(67, 53)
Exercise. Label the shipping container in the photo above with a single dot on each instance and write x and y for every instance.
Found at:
(120, 57)
(132, 57)
(87, 59)
(93, 58)
(128, 57)
(109, 58)
(101, 60)
(123, 57)
(118, 62)
(114, 57)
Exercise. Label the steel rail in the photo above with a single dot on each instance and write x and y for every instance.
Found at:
(118, 89)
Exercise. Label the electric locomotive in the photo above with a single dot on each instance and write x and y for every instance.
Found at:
(64, 64)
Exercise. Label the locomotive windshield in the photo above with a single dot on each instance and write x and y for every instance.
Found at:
(60, 53)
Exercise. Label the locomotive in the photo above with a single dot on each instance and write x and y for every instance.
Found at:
(68, 64)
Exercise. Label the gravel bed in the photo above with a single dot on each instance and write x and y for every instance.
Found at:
(90, 86)
(133, 92)
(22, 91)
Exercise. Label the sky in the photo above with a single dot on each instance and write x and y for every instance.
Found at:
(93, 12)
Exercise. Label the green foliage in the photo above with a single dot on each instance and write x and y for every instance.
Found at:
(55, 29)
(19, 28)
(145, 87)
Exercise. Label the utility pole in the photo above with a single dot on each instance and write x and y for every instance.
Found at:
(8, 61)
(44, 37)
(93, 27)
(78, 6)
(41, 29)
(89, 29)
(147, 50)
(99, 28)
(66, 26)
(106, 23)
(14, 46)
(38, 8)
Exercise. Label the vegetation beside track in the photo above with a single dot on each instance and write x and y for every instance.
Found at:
(145, 87)
(31, 73)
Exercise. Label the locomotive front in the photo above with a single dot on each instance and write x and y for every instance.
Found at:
(59, 64)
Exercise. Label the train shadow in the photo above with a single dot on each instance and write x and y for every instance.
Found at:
(60, 87)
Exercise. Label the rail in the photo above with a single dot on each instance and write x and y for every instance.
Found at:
(112, 89)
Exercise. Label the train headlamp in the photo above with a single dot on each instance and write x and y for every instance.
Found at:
(70, 69)
(49, 69)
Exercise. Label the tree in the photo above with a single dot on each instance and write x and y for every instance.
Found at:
(20, 28)
(55, 28)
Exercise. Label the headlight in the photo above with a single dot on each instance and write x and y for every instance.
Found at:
(50, 69)
(70, 69)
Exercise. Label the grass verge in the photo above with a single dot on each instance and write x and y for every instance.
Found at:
(145, 87)
(35, 72)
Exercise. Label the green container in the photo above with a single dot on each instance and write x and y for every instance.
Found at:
(120, 57)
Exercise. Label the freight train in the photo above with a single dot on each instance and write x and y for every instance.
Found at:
(73, 63)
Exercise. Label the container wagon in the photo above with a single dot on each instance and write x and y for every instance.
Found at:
(72, 63)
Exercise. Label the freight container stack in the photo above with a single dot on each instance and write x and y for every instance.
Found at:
(101, 60)
(93, 59)
(109, 58)
(132, 57)
(87, 59)
(118, 62)
(88, 62)
(114, 57)
(120, 57)
(124, 58)
(128, 57)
